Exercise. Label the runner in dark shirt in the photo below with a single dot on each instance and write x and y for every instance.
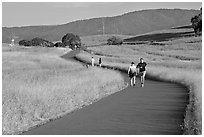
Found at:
(100, 62)
(142, 71)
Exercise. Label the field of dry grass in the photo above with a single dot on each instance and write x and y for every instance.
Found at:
(39, 86)
(99, 39)
(177, 60)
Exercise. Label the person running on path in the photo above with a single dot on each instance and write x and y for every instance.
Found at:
(132, 73)
(100, 62)
(92, 61)
(142, 70)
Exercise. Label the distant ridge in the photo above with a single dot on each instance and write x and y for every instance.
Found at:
(132, 23)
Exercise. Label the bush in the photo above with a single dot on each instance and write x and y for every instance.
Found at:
(25, 43)
(59, 44)
(41, 42)
(71, 40)
(114, 41)
(83, 47)
(36, 42)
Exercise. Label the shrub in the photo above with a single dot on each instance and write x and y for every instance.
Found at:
(71, 40)
(36, 42)
(59, 44)
(41, 42)
(114, 41)
(83, 47)
(25, 43)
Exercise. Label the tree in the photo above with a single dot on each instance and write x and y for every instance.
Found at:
(197, 23)
(71, 40)
(114, 41)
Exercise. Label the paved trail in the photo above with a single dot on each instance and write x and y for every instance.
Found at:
(158, 108)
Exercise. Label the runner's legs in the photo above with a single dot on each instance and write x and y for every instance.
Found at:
(142, 78)
(134, 80)
(131, 81)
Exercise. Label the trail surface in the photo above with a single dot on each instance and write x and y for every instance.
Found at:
(157, 108)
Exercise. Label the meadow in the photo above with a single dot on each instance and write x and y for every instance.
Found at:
(96, 40)
(175, 60)
(39, 86)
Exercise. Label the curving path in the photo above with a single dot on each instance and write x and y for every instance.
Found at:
(158, 108)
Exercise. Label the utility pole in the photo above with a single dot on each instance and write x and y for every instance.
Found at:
(103, 26)
(115, 28)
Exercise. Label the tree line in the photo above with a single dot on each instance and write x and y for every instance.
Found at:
(69, 40)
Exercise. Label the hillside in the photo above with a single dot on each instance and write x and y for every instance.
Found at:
(132, 23)
(162, 35)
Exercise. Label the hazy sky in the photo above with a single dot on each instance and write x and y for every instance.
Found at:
(52, 13)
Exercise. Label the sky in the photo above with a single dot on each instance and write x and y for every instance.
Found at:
(16, 14)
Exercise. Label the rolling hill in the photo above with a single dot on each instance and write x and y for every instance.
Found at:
(132, 23)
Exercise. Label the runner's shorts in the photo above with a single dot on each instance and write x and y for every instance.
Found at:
(131, 75)
(142, 73)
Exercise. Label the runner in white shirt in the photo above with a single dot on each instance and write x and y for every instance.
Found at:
(132, 73)
(92, 61)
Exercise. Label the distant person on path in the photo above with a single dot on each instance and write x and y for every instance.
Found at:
(100, 62)
(132, 73)
(92, 61)
(142, 70)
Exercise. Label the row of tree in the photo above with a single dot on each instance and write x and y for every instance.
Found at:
(69, 40)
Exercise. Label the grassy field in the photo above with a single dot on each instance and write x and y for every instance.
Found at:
(39, 86)
(176, 60)
(99, 39)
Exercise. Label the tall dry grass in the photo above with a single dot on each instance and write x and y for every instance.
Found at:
(164, 63)
(39, 86)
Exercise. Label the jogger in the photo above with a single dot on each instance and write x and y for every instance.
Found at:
(132, 74)
(92, 61)
(100, 62)
(142, 71)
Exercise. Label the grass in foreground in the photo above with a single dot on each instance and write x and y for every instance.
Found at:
(178, 60)
(38, 85)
